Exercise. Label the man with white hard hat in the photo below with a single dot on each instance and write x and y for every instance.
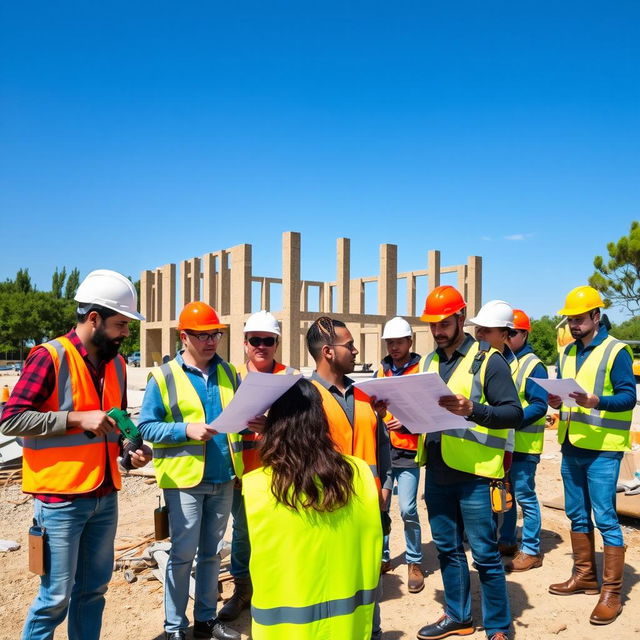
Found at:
(70, 450)
(261, 337)
(400, 361)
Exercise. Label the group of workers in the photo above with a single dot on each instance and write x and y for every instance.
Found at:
(309, 484)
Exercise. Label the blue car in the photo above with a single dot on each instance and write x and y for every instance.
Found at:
(134, 359)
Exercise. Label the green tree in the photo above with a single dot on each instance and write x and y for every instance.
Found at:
(543, 338)
(57, 282)
(132, 343)
(73, 282)
(23, 281)
(618, 279)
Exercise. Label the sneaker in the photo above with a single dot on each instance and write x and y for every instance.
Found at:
(523, 562)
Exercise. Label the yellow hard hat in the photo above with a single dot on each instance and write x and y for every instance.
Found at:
(580, 300)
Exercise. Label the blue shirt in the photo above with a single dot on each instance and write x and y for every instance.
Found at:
(218, 467)
(622, 381)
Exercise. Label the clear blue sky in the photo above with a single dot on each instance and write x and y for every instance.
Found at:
(139, 133)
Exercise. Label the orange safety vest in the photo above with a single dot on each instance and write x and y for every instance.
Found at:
(250, 454)
(73, 463)
(406, 441)
(361, 438)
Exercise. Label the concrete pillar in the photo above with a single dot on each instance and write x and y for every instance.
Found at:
(189, 281)
(433, 261)
(240, 299)
(291, 289)
(209, 280)
(388, 281)
(168, 308)
(411, 295)
(343, 268)
(474, 285)
(462, 280)
(356, 298)
(265, 295)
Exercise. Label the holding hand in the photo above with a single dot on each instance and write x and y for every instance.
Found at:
(458, 404)
(555, 402)
(141, 456)
(379, 406)
(257, 424)
(96, 422)
(200, 431)
(586, 400)
(394, 424)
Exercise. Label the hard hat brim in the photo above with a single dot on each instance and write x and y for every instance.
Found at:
(437, 317)
(568, 311)
(205, 327)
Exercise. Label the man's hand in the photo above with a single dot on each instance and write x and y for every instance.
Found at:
(96, 422)
(200, 431)
(458, 404)
(257, 424)
(141, 456)
(379, 406)
(394, 424)
(555, 402)
(586, 400)
(385, 497)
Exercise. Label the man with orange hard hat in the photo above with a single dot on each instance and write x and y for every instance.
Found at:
(461, 462)
(195, 466)
(594, 435)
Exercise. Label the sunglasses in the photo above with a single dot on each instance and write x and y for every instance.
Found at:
(255, 341)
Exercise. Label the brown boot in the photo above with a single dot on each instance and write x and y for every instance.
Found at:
(416, 578)
(609, 606)
(241, 599)
(523, 562)
(583, 578)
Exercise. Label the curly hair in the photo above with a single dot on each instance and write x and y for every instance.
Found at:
(321, 332)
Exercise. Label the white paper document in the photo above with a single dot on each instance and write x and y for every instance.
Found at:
(413, 400)
(254, 396)
(560, 387)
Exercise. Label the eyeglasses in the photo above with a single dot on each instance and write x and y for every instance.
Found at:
(348, 345)
(204, 337)
(256, 341)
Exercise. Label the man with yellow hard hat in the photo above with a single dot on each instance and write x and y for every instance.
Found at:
(594, 434)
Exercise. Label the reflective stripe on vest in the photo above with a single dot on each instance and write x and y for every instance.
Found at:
(250, 454)
(405, 441)
(334, 596)
(529, 439)
(477, 450)
(73, 463)
(181, 465)
(361, 438)
(591, 428)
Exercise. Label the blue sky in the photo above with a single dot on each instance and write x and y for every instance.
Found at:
(136, 134)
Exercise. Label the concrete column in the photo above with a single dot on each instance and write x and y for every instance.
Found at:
(209, 283)
(356, 299)
(189, 281)
(291, 289)
(240, 299)
(265, 297)
(433, 260)
(388, 281)
(411, 295)
(168, 308)
(462, 280)
(343, 269)
(474, 285)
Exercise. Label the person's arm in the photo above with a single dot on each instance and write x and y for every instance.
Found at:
(502, 409)
(536, 396)
(152, 424)
(624, 385)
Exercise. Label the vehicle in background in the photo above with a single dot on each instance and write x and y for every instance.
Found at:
(134, 359)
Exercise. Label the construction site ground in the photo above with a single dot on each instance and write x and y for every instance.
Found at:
(135, 610)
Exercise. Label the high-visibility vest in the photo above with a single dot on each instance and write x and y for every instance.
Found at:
(74, 463)
(592, 428)
(477, 450)
(180, 465)
(250, 455)
(328, 563)
(406, 441)
(529, 439)
(359, 439)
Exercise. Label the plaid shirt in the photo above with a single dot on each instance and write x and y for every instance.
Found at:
(37, 383)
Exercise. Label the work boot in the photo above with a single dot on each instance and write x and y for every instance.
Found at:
(240, 600)
(444, 627)
(214, 629)
(523, 562)
(609, 606)
(507, 549)
(415, 582)
(583, 577)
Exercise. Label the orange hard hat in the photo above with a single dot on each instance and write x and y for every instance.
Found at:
(441, 303)
(199, 316)
(521, 320)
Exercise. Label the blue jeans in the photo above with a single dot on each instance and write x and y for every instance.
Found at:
(408, 480)
(590, 484)
(78, 563)
(240, 547)
(523, 481)
(459, 508)
(197, 521)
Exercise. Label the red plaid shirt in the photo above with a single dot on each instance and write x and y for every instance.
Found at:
(36, 384)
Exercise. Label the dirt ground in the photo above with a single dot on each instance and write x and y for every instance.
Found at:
(135, 610)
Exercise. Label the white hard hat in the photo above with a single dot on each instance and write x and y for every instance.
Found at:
(262, 321)
(396, 328)
(495, 313)
(108, 289)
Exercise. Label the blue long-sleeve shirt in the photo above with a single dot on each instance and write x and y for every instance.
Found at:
(218, 467)
(622, 381)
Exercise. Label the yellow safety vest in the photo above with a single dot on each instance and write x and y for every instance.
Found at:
(314, 573)
(592, 428)
(529, 439)
(180, 465)
(477, 450)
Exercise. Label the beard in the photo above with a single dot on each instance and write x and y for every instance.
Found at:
(107, 347)
(448, 341)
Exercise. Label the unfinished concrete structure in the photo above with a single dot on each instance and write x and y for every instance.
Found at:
(225, 280)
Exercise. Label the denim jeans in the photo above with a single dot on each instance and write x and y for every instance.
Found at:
(78, 564)
(590, 485)
(408, 480)
(523, 481)
(455, 509)
(197, 521)
(240, 547)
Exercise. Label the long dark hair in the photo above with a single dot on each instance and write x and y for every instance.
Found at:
(307, 470)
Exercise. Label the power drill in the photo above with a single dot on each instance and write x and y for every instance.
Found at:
(129, 431)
